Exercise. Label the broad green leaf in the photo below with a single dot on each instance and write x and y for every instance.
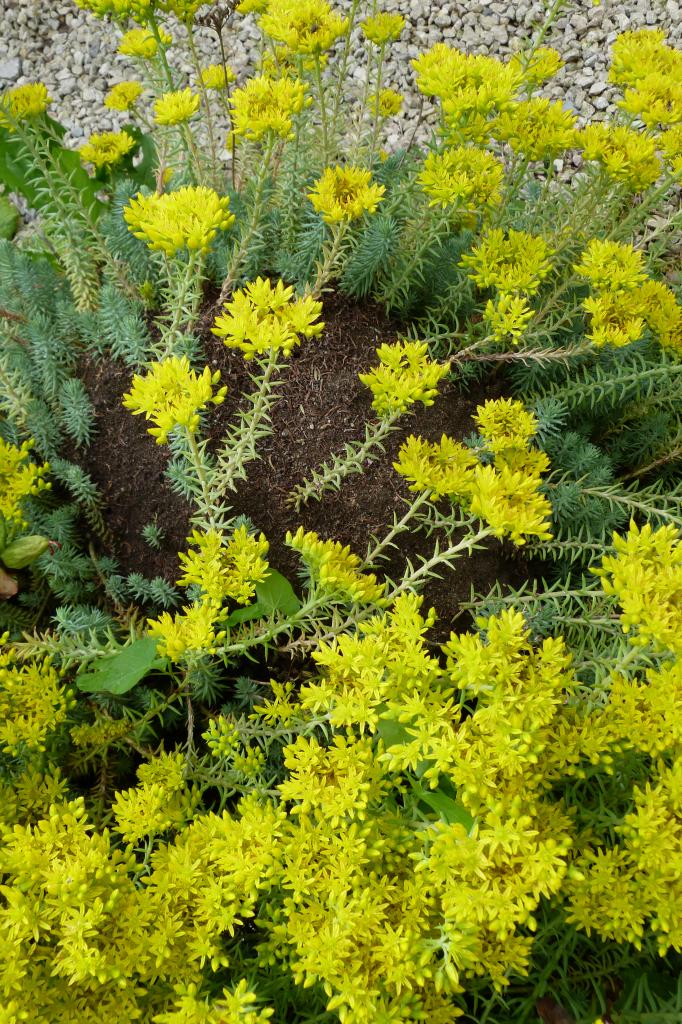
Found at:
(9, 218)
(121, 672)
(446, 807)
(392, 732)
(274, 594)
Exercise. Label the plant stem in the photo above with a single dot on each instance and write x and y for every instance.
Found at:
(204, 95)
(343, 69)
(206, 506)
(241, 248)
(328, 262)
(323, 111)
(373, 552)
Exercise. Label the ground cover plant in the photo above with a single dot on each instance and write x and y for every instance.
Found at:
(341, 570)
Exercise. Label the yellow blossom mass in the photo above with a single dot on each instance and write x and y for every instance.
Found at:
(626, 155)
(225, 568)
(261, 318)
(266, 104)
(382, 28)
(515, 263)
(405, 375)
(176, 107)
(23, 103)
(344, 194)
(304, 27)
(19, 478)
(537, 128)
(123, 96)
(172, 395)
(335, 568)
(107, 149)
(188, 218)
(139, 42)
(217, 76)
(462, 176)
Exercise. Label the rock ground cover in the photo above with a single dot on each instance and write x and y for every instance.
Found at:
(74, 53)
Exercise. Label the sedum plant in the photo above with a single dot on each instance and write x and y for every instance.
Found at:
(227, 797)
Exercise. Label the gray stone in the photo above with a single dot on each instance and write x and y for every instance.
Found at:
(10, 69)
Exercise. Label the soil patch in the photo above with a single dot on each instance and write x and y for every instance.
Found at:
(322, 404)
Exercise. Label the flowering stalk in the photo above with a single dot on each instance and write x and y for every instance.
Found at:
(183, 297)
(241, 248)
(377, 104)
(323, 110)
(239, 448)
(353, 459)
(343, 69)
(204, 96)
(330, 257)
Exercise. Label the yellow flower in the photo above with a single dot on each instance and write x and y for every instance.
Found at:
(537, 128)
(306, 27)
(670, 144)
(462, 175)
(645, 576)
(265, 105)
(187, 218)
(191, 631)
(344, 194)
(334, 568)
(405, 375)
(442, 468)
(33, 703)
(543, 64)
(382, 28)
(508, 500)
(636, 54)
(260, 319)
(19, 478)
(505, 423)
(139, 42)
(123, 96)
(616, 318)
(171, 395)
(24, 103)
(508, 317)
(225, 570)
(176, 107)
(390, 103)
(611, 266)
(515, 264)
(626, 155)
(107, 149)
(217, 76)
(663, 313)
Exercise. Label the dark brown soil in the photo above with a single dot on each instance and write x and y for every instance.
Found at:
(322, 404)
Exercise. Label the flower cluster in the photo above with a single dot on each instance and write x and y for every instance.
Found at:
(473, 89)
(123, 95)
(505, 495)
(623, 300)
(344, 194)
(188, 218)
(645, 576)
(390, 103)
(172, 395)
(383, 28)
(189, 632)
(176, 107)
(107, 149)
(334, 569)
(33, 704)
(19, 479)
(233, 1007)
(652, 74)
(24, 103)
(405, 375)
(225, 571)
(267, 105)
(304, 27)
(217, 76)
(627, 156)
(543, 63)
(462, 176)
(537, 128)
(261, 318)
(161, 801)
(516, 263)
(139, 42)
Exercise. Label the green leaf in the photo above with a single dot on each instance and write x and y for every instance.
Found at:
(274, 594)
(447, 808)
(9, 218)
(121, 672)
(392, 732)
(18, 173)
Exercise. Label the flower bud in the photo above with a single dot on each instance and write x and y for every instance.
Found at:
(23, 551)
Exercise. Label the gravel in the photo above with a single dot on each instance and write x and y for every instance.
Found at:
(74, 54)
